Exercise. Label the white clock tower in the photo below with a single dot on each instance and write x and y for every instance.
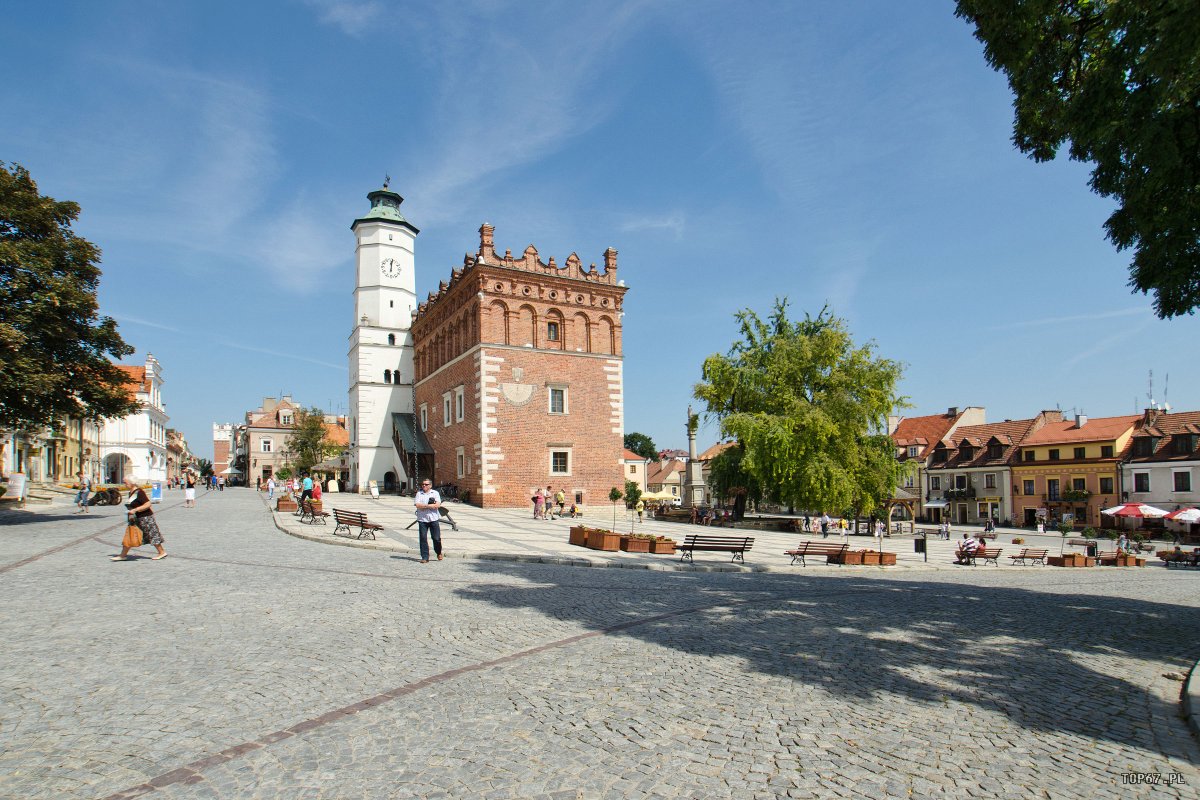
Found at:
(381, 348)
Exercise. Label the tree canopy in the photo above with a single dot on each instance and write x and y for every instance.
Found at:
(1120, 81)
(308, 443)
(808, 409)
(641, 444)
(55, 349)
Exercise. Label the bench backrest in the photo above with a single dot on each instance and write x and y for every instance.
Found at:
(735, 541)
(987, 552)
(1034, 553)
(823, 547)
(353, 517)
(1080, 542)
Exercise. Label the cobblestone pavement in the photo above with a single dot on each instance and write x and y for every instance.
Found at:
(252, 664)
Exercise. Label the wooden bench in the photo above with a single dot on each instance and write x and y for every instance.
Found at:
(354, 519)
(987, 554)
(1032, 556)
(1189, 560)
(987, 536)
(314, 516)
(1081, 542)
(810, 548)
(738, 545)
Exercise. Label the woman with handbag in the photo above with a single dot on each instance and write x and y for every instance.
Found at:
(141, 520)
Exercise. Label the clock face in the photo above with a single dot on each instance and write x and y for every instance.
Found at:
(389, 267)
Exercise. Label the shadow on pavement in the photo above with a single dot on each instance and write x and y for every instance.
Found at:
(1038, 657)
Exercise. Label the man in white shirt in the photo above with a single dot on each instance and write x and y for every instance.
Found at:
(427, 501)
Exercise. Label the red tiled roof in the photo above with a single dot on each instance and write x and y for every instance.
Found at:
(714, 451)
(632, 456)
(135, 379)
(659, 471)
(337, 434)
(1166, 427)
(980, 437)
(1094, 430)
(921, 431)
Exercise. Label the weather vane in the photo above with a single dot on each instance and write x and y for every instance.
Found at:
(386, 180)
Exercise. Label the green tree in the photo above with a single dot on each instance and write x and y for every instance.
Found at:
(54, 347)
(205, 467)
(308, 443)
(633, 493)
(641, 444)
(1120, 81)
(808, 409)
(730, 481)
(614, 497)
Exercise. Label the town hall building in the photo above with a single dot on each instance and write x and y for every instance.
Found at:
(506, 379)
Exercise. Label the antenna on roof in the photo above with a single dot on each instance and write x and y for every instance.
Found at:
(1150, 392)
(1166, 386)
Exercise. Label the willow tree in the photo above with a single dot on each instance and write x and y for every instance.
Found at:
(808, 409)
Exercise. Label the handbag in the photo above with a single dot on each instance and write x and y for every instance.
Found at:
(133, 537)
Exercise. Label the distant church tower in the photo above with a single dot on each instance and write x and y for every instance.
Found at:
(381, 347)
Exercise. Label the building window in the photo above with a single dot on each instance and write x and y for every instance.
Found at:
(935, 483)
(1106, 451)
(1079, 484)
(391, 338)
(560, 462)
(1054, 455)
(1080, 453)
(459, 404)
(995, 451)
(989, 480)
(285, 418)
(424, 417)
(1106, 486)
(579, 498)
(1029, 487)
(1183, 481)
(558, 400)
(460, 461)
(1141, 481)
(1028, 455)
(909, 481)
(387, 376)
(960, 481)
(266, 445)
(1052, 489)
(633, 469)
(446, 409)
(913, 450)
(552, 331)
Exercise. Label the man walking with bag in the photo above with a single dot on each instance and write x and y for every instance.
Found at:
(428, 501)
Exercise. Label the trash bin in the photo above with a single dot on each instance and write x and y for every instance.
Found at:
(919, 544)
(1093, 549)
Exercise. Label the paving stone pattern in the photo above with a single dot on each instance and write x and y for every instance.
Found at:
(251, 664)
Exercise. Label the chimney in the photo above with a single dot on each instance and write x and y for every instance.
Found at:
(487, 250)
(1080, 420)
(952, 411)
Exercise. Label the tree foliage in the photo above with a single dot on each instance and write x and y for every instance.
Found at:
(55, 349)
(308, 443)
(641, 444)
(633, 493)
(1120, 81)
(730, 481)
(808, 409)
(205, 467)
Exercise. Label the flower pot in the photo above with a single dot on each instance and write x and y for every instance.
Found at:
(870, 558)
(578, 536)
(849, 557)
(1139, 562)
(631, 545)
(887, 559)
(663, 546)
(603, 540)
(285, 504)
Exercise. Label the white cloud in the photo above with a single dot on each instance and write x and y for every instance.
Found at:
(1058, 320)
(354, 18)
(673, 222)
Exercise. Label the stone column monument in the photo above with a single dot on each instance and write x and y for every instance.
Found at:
(693, 481)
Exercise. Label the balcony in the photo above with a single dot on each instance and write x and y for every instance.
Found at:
(959, 494)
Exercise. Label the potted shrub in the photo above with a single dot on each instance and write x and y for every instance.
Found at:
(635, 543)
(600, 539)
(285, 503)
(1018, 540)
(662, 545)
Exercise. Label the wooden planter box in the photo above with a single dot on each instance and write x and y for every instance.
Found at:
(846, 558)
(1071, 560)
(1130, 561)
(603, 540)
(577, 536)
(887, 559)
(870, 558)
(285, 504)
(663, 547)
(632, 545)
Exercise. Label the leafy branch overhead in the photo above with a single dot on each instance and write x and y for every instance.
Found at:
(1119, 80)
(808, 411)
(56, 351)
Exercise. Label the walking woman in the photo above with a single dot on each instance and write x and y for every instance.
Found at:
(142, 515)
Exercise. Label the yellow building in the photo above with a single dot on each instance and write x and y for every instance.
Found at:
(1070, 468)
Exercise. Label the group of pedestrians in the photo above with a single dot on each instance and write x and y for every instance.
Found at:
(545, 501)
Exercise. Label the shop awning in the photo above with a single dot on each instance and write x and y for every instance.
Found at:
(937, 504)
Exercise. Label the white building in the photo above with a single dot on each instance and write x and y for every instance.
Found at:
(137, 444)
(381, 350)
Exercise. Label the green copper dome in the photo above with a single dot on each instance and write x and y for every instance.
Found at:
(385, 207)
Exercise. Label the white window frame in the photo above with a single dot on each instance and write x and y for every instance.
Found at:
(1149, 483)
(285, 418)
(555, 451)
(460, 461)
(550, 390)
(909, 481)
(446, 410)
(1181, 471)
(913, 451)
(424, 416)
(264, 446)
(935, 483)
(460, 405)
(989, 480)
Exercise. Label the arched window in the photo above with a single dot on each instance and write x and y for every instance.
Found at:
(387, 376)
(396, 375)
(391, 338)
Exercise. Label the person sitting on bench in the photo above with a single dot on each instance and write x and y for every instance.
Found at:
(966, 549)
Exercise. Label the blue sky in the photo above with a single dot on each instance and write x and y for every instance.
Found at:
(855, 154)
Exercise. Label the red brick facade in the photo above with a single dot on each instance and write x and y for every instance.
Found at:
(535, 351)
(221, 459)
